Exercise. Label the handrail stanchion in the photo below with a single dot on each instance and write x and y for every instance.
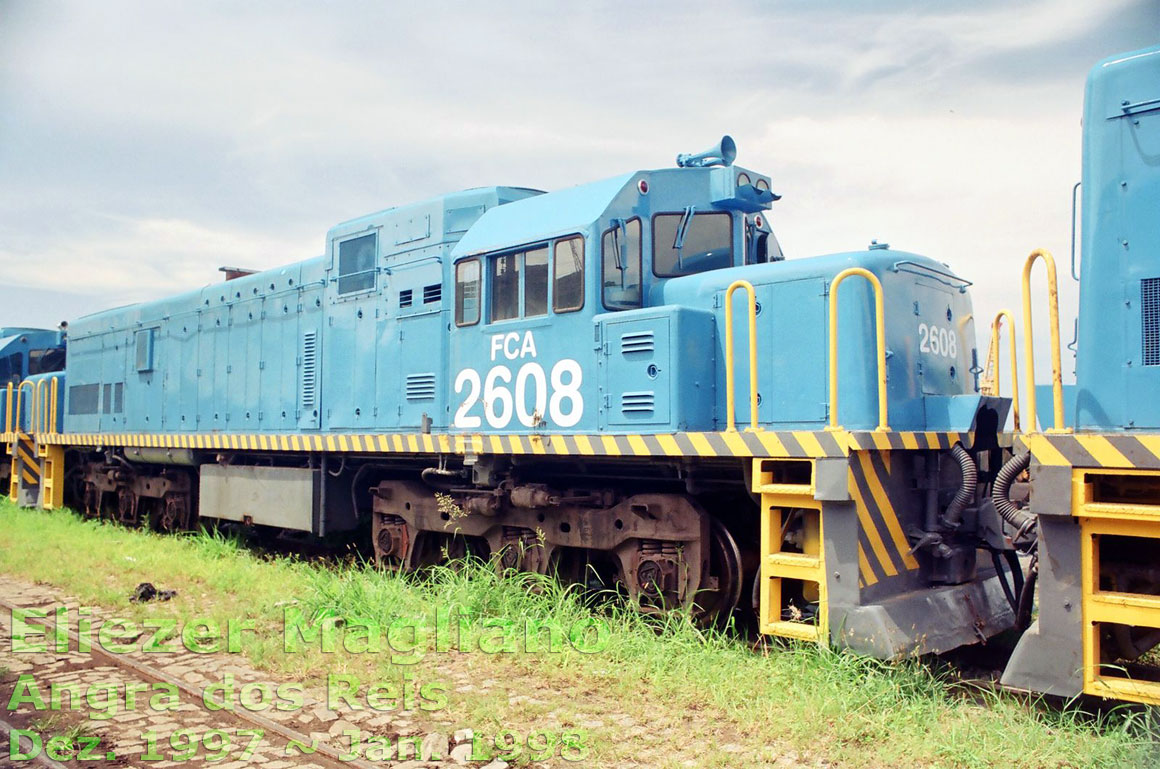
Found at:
(55, 426)
(996, 333)
(730, 405)
(38, 407)
(1029, 346)
(880, 334)
(20, 404)
(8, 410)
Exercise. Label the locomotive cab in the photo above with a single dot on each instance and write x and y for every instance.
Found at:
(530, 279)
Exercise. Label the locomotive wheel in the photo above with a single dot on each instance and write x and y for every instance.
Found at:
(721, 587)
(126, 506)
(172, 514)
(521, 550)
(433, 548)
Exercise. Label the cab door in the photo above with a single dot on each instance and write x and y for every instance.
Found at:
(522, 353)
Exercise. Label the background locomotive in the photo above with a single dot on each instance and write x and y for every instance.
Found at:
(551, 379)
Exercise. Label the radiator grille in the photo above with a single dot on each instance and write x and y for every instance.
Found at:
(1150, 315)
(420, 387)
(309, 370)
(643, 402)
(637, 341)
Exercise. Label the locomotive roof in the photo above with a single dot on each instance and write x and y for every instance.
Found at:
(540, 217)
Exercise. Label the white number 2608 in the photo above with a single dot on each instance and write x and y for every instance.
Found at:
(555, 396)
(937, 341)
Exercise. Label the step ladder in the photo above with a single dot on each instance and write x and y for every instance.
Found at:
(25, 479)
(786, 490)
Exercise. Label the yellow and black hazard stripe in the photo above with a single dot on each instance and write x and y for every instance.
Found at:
(772, 443)
(801, 443)
(887, 440)
(24, 455)
(883, 549)
(1095, 450)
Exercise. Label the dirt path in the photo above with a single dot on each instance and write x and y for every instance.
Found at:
(153, 730)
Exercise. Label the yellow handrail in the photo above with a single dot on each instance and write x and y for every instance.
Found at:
(20, 403)
(730, 405)
(1029, 346)
(996, 332)
(880, 333)
(8, 410)
(55, 427)
(37, 406)
(41, 406)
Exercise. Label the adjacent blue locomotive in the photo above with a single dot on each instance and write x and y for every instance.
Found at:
(1095, 473)
(627, 383)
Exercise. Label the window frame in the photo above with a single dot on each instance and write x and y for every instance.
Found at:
(653, 250)
(549, 246)
(548, 249)
(557, 310)
(639, 265)
(491, 259)
(373, 271)
(479, 292)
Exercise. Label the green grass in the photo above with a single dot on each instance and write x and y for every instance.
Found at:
(702, 689)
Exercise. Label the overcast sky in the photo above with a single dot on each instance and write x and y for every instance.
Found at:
(143, 145)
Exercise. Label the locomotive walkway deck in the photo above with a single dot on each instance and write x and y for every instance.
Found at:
(762, 443)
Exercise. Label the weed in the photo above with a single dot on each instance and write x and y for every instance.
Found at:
(685, 684)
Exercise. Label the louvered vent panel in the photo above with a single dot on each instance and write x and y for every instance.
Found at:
(432, 293)
(1150, 315)
(420, 387)
(309, 370)
(405, 298)
(637, 341)
(642, 402)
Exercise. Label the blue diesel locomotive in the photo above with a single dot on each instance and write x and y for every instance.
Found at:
(571, 368)
(623, 383)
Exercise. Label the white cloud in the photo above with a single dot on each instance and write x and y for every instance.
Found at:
(143, 145)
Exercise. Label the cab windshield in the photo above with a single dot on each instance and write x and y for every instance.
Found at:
(689, 242)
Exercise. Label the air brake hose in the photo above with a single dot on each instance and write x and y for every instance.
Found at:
(966, 493)
(1027, 596)
(1021, 520)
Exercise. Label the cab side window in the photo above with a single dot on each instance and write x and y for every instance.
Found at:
(620, 265)
(536, 282)
(505, 287)
(356, 264)
(568, 280)
(519, 284)
(467, 293)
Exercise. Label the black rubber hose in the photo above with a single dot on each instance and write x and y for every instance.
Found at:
(440, 479)
(1016, 570)
(966, 493)
(1020, 519)
(1002, 574)
(1027, 596)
